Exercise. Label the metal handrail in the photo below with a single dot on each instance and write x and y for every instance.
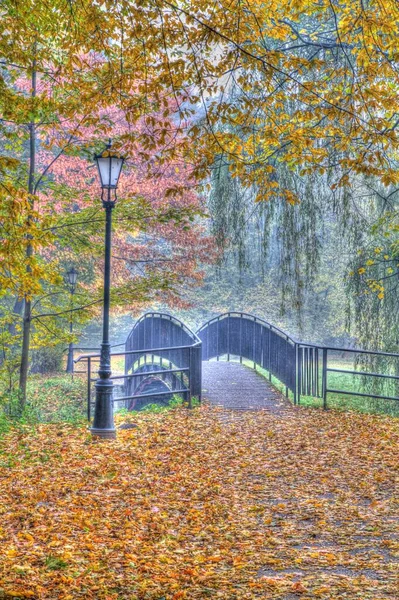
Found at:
(382, 375)
(163, 372)
(357, 350)
(167, 316)
(91, 347)
(306, 367)
(144, 351)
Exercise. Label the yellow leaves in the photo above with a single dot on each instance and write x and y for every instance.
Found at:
(20, 594)
(134, 232)
(322, 590)
(208, 533)
(8, 163)
(77, 62)
(390, 178)
(271, 582)
(214, 559)
(324, 556)
(298, 588)
(22, 569)
(289, 196)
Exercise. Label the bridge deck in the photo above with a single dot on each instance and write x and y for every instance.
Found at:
(234, 386)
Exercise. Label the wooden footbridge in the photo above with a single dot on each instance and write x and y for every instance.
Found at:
(238, 361)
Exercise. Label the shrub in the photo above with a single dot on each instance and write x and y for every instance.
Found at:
(47, 360)
(58, 398)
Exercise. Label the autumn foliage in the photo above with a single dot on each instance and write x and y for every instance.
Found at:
(312, 86)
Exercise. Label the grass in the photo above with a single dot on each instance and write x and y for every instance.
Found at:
(61, 398)
(175, 402)
(55, 564)
(56, 398)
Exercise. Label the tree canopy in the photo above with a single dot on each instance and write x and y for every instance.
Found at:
(269, 93)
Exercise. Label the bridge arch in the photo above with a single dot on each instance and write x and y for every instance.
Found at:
(241, 336)
(150, 391)
(162, 346)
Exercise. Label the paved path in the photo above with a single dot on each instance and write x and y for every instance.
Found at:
(234, 386)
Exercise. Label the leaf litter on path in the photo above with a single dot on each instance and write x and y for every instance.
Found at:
(185, 505)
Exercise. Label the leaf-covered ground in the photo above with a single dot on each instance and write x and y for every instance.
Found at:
(200, 505)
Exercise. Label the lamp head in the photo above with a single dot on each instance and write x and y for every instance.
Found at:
(72, 276)
(109, 165)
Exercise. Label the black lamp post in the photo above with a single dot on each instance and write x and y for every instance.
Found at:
(71, 277)
(109, 168)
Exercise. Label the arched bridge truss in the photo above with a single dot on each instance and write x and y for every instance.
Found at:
(163, 357)
(161, 347)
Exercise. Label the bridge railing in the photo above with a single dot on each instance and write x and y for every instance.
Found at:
(184, 378)
(159, 348)
(359, 373)
(332, 372)
(247, 337)
(305, 370)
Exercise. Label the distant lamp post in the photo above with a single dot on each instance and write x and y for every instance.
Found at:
(109, 169)
(71, 278)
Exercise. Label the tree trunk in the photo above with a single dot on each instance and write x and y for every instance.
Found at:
(23, 373)
(26, 330)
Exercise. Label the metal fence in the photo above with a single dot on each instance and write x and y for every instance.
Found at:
(159, 349)
(360, 373)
